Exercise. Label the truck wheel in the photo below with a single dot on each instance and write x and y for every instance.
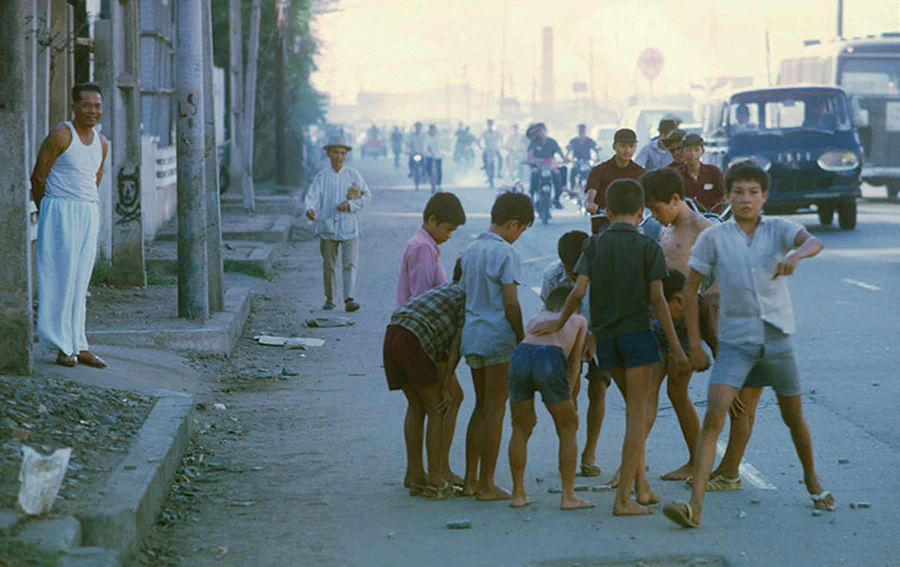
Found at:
(893, 189)
(826, 215)
(847, 216)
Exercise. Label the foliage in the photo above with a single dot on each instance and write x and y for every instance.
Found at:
(304, 104)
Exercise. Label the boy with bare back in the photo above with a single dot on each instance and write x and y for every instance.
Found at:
(551, 365)
(625, 270)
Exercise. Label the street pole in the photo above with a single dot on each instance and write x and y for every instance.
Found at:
(283, 18)
(15, 249)
(236, 89)
(591, 79)
(250, 104)
(840, 18)
(124, 102)
(193, 280)
(214, 261)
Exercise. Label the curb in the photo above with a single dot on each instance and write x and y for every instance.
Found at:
(134, 493)
(258, 262)
(217, 336)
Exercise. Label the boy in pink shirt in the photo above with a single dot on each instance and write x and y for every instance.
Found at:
(421, 269)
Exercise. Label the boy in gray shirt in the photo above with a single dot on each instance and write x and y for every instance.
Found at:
(750, 257)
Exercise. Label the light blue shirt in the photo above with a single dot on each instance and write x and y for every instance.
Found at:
(328, 190)
(743, 268)
(487, 265)
(652, 157)
(555, 276)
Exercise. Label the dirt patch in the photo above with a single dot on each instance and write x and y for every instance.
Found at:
(110, 307)
(48, 414)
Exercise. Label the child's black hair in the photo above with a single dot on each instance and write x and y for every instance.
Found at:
(624, 197)
(570, 246)
(660, 184)
(445, 207)
(673, 283)
(746, 171)
(557, 298)
(513, 207)
(457, 270)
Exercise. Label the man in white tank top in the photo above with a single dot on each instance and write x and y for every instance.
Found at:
(64, 186)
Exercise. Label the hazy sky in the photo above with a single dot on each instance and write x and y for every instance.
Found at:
(407, 46)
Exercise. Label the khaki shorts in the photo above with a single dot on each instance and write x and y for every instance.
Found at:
(477, 362)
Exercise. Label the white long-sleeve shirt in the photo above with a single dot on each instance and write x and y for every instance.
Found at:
(329, 189)
(433, 147)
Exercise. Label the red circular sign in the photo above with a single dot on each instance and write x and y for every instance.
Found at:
(650, 62)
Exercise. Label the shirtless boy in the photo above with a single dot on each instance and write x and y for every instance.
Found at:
(628, 267)
(549, 364)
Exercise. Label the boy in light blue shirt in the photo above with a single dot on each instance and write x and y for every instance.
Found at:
(491, 270)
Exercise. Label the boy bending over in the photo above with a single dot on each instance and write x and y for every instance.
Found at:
(551, 365)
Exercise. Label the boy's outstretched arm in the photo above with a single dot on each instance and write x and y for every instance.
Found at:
(573, 302)
(699, 360)
(513, 310)
(661, 308)
(805, 246)
(575, 355)
(450, 366)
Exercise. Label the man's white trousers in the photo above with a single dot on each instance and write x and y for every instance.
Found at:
(66, 249)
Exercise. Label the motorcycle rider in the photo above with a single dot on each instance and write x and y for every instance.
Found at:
(458, 136)
(620, 166)
(491, 142)
(655, 155)
(434, 158)
(397, 145)
(415, 144)
(580, 148)
(543, 148)
(516, 146)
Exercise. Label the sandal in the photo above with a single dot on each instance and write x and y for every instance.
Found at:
(88, 358)
(590, 469)
(441, 492)
(416, 489)
(68, 361)
(820, 501)
(681, 514)
(722, 483)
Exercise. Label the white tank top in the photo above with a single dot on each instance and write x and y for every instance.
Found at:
(74, 174)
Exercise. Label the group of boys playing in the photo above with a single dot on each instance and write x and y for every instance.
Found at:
(625, 274)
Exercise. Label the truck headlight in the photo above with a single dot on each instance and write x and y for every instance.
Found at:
(838, 161)
(762, 161)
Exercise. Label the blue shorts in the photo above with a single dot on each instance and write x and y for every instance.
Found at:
(539, 368)
(770, 364)
(629, 350)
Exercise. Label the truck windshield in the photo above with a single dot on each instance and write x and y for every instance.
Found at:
(775, 112)
(870, 76)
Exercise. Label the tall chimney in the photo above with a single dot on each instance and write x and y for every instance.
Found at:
(547, 67)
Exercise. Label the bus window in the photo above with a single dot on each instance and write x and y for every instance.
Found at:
(871, 76)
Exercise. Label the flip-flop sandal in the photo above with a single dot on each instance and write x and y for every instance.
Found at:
(416, 489)
(819, 501)
(680, 513)
(590, 469)
(441, 492)
(67, 361)
(91, 360)
(724, 484)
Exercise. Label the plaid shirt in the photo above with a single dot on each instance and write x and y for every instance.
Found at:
(435, 317)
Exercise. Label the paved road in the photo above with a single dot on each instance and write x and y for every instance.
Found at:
(320, 456)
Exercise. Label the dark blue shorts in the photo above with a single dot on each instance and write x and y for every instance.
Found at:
(682, 333)
(539, 368)
(629, 350)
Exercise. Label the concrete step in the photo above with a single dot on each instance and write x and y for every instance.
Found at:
(245, 257)
(268, 204)
(257, 227)
(59, 534)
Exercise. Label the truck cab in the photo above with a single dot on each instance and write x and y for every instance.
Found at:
(805, 137)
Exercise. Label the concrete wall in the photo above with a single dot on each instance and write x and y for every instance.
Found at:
(160, 183)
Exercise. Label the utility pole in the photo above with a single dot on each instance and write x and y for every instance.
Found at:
(16, 327)
(591, 80)
(840, 18)
(193, 280)
(236, 64)
(123, 102)
(283, 31)
(250, 102)
(215, 266)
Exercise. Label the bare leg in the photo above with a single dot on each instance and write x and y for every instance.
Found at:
(523, 421)
(718, 402)
(473, 435)
(792, 413)
(688, 419)
(595, 413)
(637, 381)
(456, 398)
(566, 420)
(618, 376)
(657, 376)
(739, 435)
(414, 433)
(493, 411)
(434, 433)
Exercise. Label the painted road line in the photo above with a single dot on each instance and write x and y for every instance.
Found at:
(538, 259)
(748, 472)
(863, 285)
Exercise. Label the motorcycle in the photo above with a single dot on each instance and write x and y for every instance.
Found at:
(490, 167)
(582, 169)
(543, 197)
(419, 174)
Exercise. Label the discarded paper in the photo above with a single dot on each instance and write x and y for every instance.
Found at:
(330, 322)
(40, 478)
(289, 342)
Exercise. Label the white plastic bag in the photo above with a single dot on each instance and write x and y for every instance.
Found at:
(40, 479)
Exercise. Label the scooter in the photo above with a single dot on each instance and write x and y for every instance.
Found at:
(418, 170)
(543, 199)
(490, 167)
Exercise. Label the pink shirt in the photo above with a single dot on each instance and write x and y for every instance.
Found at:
(421, 267)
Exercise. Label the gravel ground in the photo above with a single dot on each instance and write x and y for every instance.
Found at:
(48, 414)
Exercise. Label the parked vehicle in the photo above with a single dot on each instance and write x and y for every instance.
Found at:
(868, 69)
(805, 138)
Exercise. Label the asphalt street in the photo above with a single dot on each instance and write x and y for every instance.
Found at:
(340, 430)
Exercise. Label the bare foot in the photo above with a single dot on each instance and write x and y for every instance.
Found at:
(470, 488)
(630, 509)
(614, 481)
(648, 498)
(413, 480)
(574, 503)
(519, 501)
(454, 479)
(494, 493)
(683, 472)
